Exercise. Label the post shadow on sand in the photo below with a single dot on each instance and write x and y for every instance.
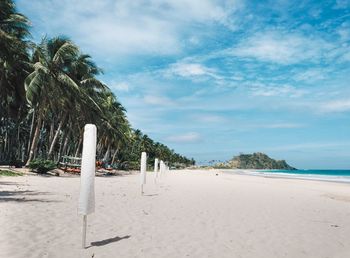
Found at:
(23, 196)
(11, 183)
(151, 194)
(108, 241)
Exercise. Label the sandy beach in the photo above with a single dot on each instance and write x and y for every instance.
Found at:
(188, 214)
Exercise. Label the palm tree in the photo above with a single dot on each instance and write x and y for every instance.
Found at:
(81, 70)
(49, 82)
(115, 128)
(13, 70)
(13, 50)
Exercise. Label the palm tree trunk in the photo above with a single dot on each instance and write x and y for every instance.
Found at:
(68, 150)
(115, 154)
(31, 130)
(6, 141)
(9, 145)
(61, 145)
(54, 140)
(18, 142)
(35, 141)
(65, 144)
(23, 152)
(78, 148)
(105, 157)
(40, 145)
(99, 147)
(52, 129)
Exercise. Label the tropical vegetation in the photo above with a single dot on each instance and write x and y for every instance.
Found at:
(49, 91)
(256, 160)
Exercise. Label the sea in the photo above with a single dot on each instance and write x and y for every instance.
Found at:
(319, 172)
(309, 174)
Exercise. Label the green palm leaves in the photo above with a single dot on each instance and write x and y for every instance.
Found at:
(13, 55)
(51, 62)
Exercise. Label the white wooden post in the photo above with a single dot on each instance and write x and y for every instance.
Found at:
(143, 168)
(161, 167)
(86, 203)
(155, 170)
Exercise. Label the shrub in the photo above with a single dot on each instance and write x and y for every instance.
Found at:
(9, 173)
(16, 163)
(42, 166)
(129, 165)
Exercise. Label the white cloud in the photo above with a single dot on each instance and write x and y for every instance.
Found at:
(185, 138)
(248, 125)
(346, 57)
(312, 75)
(281, 47)
(267, 90)
(342, 4)
(209, 118)
(158, 100)
(147, 27)
(309, 146)
(283, 125)
(342, 105)
(122, 86)
(194, 40)
(344, 31)
(190, 70)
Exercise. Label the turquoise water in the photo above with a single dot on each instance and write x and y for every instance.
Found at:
(317, 172)
(333, 175)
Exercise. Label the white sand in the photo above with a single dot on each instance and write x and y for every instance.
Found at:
(190, 214)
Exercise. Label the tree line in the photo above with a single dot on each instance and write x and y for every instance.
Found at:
(49, 91)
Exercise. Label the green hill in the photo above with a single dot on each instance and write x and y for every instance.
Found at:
(256, 160)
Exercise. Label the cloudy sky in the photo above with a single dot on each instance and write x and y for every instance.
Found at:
(212, 78)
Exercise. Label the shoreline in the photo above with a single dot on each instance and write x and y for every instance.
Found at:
(308, 177)
(249, 172)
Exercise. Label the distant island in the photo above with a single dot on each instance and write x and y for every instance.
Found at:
(256, 160)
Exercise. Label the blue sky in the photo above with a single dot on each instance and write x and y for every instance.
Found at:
(212, 78)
